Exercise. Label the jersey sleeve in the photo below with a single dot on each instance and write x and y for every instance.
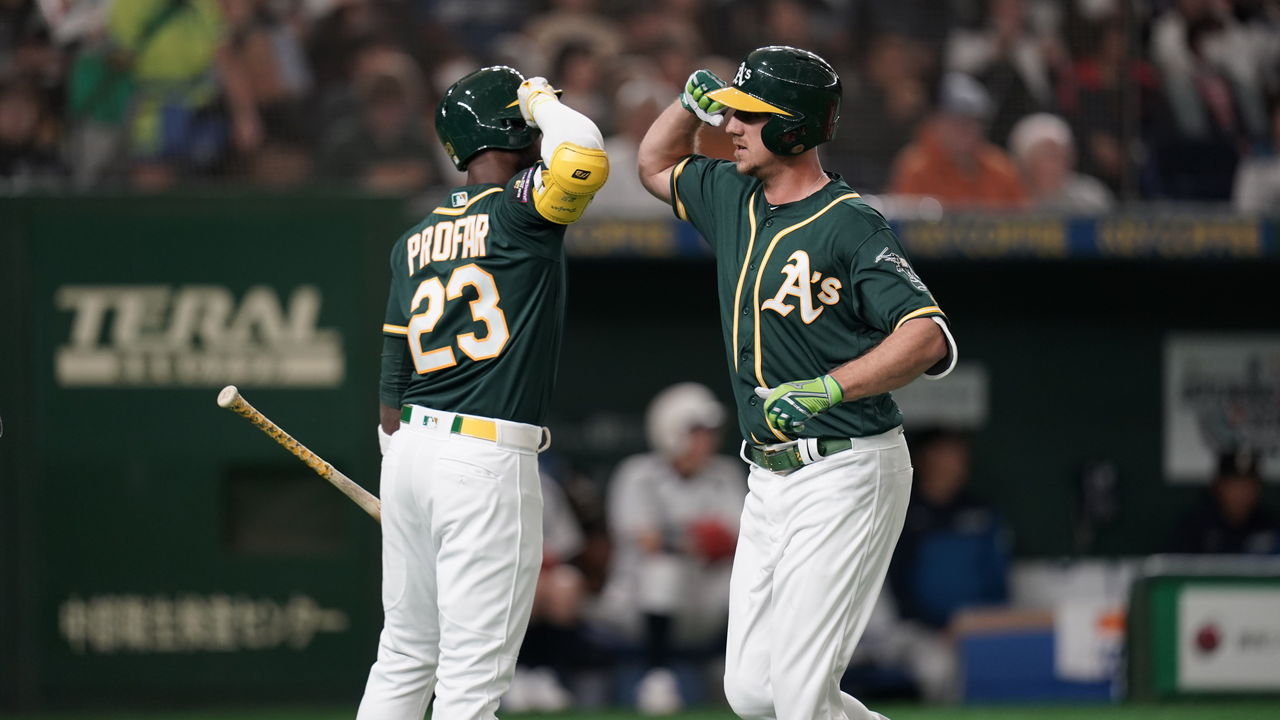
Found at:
(396, 362)
(695, 183)
(888, 292)
(515, 207)
(396, 320)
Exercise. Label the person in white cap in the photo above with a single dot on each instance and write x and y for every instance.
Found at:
(673, 518)
(1045, 151)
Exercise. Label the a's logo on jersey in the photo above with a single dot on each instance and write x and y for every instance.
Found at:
(900, 263)
(799, 285)
(458, 199)
(581, 174)
(744, 73)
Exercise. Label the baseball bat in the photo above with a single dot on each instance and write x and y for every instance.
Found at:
(231, 399)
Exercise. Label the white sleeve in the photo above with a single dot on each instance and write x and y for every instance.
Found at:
(562, 124)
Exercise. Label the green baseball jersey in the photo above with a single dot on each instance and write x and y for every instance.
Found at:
(804, 287)
(476, 307)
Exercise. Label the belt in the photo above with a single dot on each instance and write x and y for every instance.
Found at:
(502, 432)
(796, 455)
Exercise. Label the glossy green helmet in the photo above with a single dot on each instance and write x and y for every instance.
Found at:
(798, 89)
(479, 112)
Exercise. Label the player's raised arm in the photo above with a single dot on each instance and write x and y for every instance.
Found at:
(572, 151)
(671, 137)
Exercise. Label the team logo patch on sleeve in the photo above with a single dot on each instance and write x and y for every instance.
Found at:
(524, 185)
(902, 266)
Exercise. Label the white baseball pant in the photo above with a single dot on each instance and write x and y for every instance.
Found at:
(461, 549)
(813, 551)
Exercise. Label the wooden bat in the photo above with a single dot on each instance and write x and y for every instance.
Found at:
(231, 399)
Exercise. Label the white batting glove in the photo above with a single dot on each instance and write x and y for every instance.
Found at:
(695, 100)
(533, 92)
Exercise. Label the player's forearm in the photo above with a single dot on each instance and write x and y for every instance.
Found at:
(669, 139)
(900, 358)
(562, 124)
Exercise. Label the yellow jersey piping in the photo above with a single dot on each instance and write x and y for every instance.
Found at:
(742, 276)
(917, 313)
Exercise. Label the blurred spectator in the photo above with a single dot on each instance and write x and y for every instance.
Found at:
(576, 22)
(267, 42)
(1012, 59)
(951, 160)
(636, 105)
(582, 76)
(1045, 152)
(554, 643)
(1211, 105)
(28, 156)
(673, 516)
(1230, 518)
(1195, 38)
(954, 549)
(188, 96)
(1257, 186)
(383, 147)
(1112, 98)
(882, 111)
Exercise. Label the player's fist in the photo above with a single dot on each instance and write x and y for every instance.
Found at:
(788, 406)
(531, 93)
(695, 100)
(712, 541)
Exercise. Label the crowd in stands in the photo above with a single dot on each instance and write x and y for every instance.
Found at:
(990, 104)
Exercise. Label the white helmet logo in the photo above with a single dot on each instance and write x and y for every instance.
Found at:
(744, 73)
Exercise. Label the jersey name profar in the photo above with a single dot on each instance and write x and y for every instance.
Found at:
(448, 240)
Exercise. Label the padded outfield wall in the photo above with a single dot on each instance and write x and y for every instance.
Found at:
(157, 547)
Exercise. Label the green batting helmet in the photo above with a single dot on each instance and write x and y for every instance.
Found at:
(798, 89)
(480, 112)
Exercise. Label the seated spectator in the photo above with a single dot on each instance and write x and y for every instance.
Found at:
(951, 160)
(1196, 157)
(882, 110)
(383, 147)
(1230, 518)
(637, 104)
(1045, 152)
(1011, 59)
(1099, 94)
(554, 644)
(954, 549)
(1257, 187)
(673, 517)
(28, 156)
(178, 57)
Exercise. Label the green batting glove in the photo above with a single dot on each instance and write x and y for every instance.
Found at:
(695, 100)
(789, 405)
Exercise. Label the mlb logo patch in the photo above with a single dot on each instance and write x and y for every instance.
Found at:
(431, 421)
(458, 199)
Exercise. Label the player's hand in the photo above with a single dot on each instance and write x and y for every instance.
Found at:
(788, 406)
(531, 93)
(695, 100)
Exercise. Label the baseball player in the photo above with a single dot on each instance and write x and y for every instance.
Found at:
(471, 340)
(822, 316)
